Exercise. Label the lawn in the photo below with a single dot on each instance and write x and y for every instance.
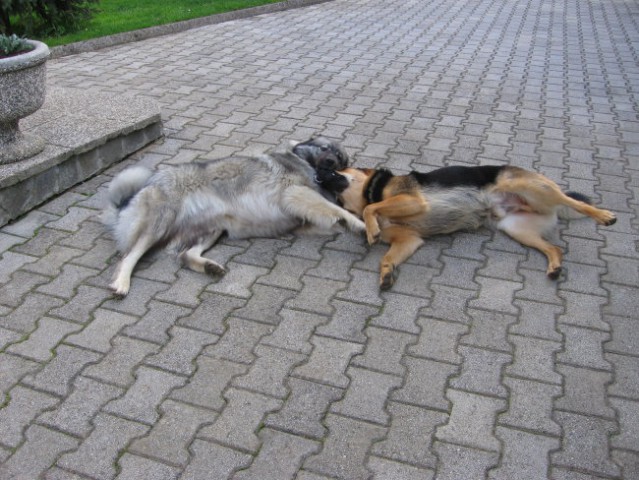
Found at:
(116, 16)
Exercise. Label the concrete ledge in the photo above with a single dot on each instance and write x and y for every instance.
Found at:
(151, 32)
(85, 133)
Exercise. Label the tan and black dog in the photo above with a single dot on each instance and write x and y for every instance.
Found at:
(403, 210)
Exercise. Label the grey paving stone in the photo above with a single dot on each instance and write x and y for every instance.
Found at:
(81, 306)
(626, 379)
(384, 351)
(51, 263)
(481, 371)
(269, 372)
(525, 455)
(449, 303)
(457, 462)
(75, 413)
(383, 468)
(585, 391)
(97, 455)
(475, 433)
(21, 286)
(179, 353)
(134, 467)
(40, 451)
(98, 334)
(583, 347)
(294, 331)
(407, 423)
(304, 409)
(280, 457)
(170, 437)
(628, 423)
(531, 406)
(539, 320)
(348, 322)
(366, 396)
(349, 435)
(425, 384)
(533, 359)
(67, 282)
(238, 281)
(41, 343)
(156, 321)
(22, 407)
(438, 340)
(265, 304)
(585, 443)
(24, 319)
(328, 361)
(118, 365)
(142, 398)
(211, 460)
(238, 423)
(239, 340)
(401, 313)
(56, 377)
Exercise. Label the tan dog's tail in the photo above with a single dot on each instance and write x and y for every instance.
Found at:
(568, 213)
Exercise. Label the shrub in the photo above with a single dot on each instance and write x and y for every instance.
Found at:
(12, 45)
(42, 18)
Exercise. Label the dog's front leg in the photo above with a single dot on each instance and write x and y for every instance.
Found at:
(395, 207)
(312, 207)
(403, 243)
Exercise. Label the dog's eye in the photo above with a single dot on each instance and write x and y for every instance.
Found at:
(323, 148)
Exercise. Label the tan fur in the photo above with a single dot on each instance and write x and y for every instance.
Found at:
(522, 204)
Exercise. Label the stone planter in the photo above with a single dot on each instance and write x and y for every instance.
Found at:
(22, 91)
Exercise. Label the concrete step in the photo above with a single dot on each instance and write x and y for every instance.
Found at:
(85, 131)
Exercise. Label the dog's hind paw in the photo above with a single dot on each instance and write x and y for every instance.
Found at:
(119, 291)
(213, 268)
(554, 274)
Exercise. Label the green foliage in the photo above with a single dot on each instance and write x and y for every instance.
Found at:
(12, 44)
(41, 18)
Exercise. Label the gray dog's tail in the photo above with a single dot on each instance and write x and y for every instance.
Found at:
(121, 189)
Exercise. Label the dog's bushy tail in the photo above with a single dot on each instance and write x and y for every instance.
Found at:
(568, 213)
(121, 189)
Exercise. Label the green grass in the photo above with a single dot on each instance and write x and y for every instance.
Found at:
(116, 16)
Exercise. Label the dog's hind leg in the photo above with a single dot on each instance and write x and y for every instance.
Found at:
(122, 281)
(193, 258)
(398, 206)
(544, 195)
(526, 231)
(403, 243)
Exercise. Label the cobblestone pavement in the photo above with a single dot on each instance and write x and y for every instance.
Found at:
(294, 365)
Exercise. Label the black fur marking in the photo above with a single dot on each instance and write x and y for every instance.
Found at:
(377, 183)
(458, 176)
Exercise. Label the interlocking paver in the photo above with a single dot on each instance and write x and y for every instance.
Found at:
(169, 438)
(294, 365)
(97, 455)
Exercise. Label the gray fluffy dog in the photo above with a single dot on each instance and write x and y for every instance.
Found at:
(189, 207)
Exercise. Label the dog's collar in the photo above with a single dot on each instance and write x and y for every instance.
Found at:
(373, 192)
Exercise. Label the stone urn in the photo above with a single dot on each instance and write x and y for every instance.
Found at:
(22, 91)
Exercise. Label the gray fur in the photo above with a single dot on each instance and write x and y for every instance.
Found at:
(188, 207)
